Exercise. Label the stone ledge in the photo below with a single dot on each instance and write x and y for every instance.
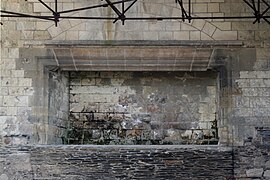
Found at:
(79, 43)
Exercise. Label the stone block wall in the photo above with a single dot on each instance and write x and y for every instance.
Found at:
(143, 107)
(23, 109)
(25, 116)
(252, 104)
(39, 30)
(116, 162)
(135, 162)
(15, 90)
(252, 161)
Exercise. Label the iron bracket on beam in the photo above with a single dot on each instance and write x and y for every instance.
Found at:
(257, 10)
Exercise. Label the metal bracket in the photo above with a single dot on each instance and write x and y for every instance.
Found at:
(256, 7)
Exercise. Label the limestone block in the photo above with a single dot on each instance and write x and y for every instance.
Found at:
(205, 37)
(181, 35)
(199, 8)
(28, 91)
(25, 82)
(65, 25)
(250, 92)
(6, 73)
(260, 102)
(254, 172)
(266, 82)
(7, 82)
(27, 35)
(13, 91)
(156, 26)
(54, 31)
(3, 91)
(17, 73)
(165, 35)
(242, 101)
(173, 26)
(248, 74)
(263, 91)
(225, 35)
(8, 101)
(243, 82)
(209, 29)
(262, 53)
(151, 35)
(207, 117)
(38, 7)
(212, 90)
(198, 24)
(15, 101)
(261, 112)
(243, 112)
(187, 27)
(256, 83)
(263, 74)
(3, 111)
(26, 25)
(43, 25)
(72, 35)
(246, 35)
(60, 37)
(85, 35)
(88, 81)
(195, 35)
(11, 111)
(8, 64)
(41, 35)
(20, 161)
(213, 7)
(223, 26)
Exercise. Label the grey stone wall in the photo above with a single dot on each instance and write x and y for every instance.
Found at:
(58, 106)
(23, 108)
(116, 162)
(253, 160)
(143, 107)
(136, 162)
(39, 30)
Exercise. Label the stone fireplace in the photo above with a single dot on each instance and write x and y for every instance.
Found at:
(139, 94)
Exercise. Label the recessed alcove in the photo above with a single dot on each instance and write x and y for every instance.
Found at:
(134, 95)
(148, 108)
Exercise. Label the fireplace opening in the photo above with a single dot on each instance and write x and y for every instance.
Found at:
(142, 108)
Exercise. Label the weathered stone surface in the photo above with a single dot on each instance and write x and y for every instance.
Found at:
(4, 177)
(120, 162)
(266, 174)
(245, 156)
(137, 106)
(254, 172)
(267, 164)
